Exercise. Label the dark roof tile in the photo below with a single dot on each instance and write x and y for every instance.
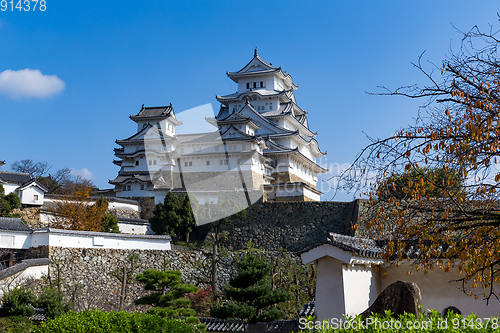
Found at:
(14, 177)
(13, 224)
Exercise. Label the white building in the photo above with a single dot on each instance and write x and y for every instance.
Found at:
(351, 276)
(263, 140)
(27, 188)
(33, 194)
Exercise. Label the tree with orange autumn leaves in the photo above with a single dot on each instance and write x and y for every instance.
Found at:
(458, 133)
(75, 210)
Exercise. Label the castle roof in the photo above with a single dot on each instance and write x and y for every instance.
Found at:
(33, 182)
(237, 118)
(156, 113)
(258, 67)
(140, 136)
(144, 177)
(284, 94)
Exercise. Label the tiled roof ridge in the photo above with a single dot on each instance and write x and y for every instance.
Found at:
(27, 263)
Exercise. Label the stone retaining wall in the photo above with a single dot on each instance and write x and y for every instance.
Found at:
(291, 225)
(31, 216)
(86, 274)
(124, 213)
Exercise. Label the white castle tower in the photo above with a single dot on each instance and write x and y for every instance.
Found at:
(263, 143)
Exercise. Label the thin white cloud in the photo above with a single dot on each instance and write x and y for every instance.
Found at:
(84, 173)
(29, 83)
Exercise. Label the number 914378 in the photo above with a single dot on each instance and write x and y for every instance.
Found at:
(23, 5)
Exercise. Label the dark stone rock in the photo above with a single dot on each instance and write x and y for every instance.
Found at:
(399, 297)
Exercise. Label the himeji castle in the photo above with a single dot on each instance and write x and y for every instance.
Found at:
(261, 144)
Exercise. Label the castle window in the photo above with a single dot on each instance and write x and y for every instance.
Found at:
(208, 162)
(136, 162)
(142, 187)
(271, 106)
(124, 188)
(154, 162)
(262, 85)
(243, 147)
(239, 161)
(128, 188)
(248, 85)
(185, 163)
(190, 163)
(35, 197)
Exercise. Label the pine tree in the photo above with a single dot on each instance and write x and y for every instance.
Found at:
(168, 294)
(174, 216)
(249, 297)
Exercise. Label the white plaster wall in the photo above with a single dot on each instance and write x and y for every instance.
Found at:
(361, 287)
(14, 240)
(438, 292)
(310, 194)
(9, 188)
(44, 217)
(42, 237)
(27, 196)
(306, 151)
(34, 272)
(135, 190)
(329, 289)
(137, 229)
(39, 239)
(124, 206)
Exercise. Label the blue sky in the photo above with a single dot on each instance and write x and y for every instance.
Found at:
(93, 63)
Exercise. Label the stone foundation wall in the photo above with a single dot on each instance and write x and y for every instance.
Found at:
(290, 225)
(87, 274)
(31, 216)
(125, 213)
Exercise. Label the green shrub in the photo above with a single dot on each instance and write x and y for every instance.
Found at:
(18, 302)
(52, 301)
(97, 321)
(16, 325)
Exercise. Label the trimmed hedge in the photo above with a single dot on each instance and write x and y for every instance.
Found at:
(97, 321)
